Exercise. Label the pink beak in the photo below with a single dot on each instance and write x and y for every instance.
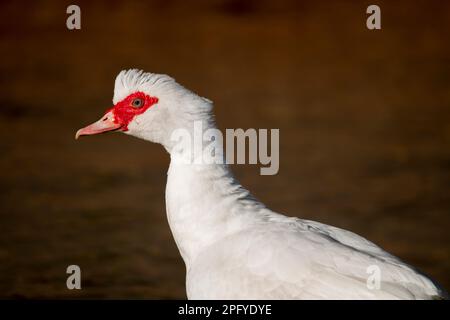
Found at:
(105, 124)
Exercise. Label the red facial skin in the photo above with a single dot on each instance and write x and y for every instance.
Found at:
(124, 112)
(119, 116)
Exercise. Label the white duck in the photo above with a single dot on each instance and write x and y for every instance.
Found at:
(232, 245)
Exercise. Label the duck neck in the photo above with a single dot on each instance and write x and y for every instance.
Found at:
(204, 202)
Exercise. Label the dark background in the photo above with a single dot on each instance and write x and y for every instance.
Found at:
(363, 117)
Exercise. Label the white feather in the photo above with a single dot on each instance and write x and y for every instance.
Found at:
(236, 248)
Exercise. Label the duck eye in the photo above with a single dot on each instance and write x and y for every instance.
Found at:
(137, 103)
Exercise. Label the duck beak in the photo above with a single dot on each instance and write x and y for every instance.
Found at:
(105, 124)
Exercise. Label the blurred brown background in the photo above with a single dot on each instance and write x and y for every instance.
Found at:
(363, 117)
